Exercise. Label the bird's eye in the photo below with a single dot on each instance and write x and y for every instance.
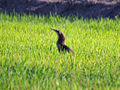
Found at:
(60, 32)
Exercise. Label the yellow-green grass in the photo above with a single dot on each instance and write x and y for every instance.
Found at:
(29, 58)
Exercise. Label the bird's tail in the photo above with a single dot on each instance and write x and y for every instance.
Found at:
(71, 51)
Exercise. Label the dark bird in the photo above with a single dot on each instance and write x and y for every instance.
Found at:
(61, 42)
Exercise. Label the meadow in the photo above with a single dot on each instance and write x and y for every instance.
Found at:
(29, 58)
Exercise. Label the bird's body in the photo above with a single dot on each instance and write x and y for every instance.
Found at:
(61, 42)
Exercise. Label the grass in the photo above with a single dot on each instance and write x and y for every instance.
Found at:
(29, 58)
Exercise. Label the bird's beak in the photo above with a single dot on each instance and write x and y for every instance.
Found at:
(57, 31)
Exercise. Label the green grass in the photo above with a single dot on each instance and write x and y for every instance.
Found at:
(29, 58)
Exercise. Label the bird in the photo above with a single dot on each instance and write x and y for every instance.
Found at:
(61, 42)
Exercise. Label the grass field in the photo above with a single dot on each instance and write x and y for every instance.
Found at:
(29, 58)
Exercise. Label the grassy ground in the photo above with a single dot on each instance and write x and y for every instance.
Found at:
(29, 58)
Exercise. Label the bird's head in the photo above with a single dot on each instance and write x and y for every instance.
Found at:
(59, 33)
